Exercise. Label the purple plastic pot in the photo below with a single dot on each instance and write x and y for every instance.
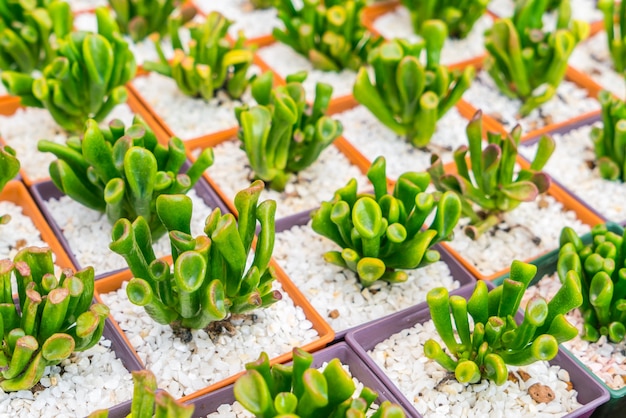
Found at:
(590, 393)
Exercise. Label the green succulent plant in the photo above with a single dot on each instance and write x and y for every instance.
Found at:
(406, 96)
(122, 170)
(458, 15)
(149, 402)
(51, 318)
(615, 27)
(383, 232)
(328, 32)
(84, 81)
(599, 268)
(490, 186)
(209, 63)
(209, 278)
(525, 60)
(262, 4)
(140, 18)
(284, 134)
(496, 338)
(299, 390)
(27, 29)
(609, 141)
(9, 167)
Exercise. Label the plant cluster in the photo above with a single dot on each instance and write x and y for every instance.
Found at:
(406, 96)
(615, 27)
(27, 29)
(209, 63)
(600, 270)
(209, 277)
(9, 167)
(329, 32)
(609, 141)
(525, 60)
(490, 187)
(496, 339)
(52, 317)
(458, 15)
(85, 80)
(140, 18)
(299, 390)
(122, 170)
(284, 134)
(382, 232)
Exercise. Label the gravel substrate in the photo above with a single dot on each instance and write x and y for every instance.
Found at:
(87, 381)
(436, 394)
(27, 126)
(369, 136)
(20, 232)
(88, 232)
(336, 293)
(581, 9)
(569, 166)
(593, 58)
(569, 101)
(305, 191)
(397, 24)
(253, 23)
(184, 368)
(513, 238)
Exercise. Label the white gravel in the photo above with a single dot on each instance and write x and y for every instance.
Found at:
(369, 136)
(253, 23)
(331, 288)
(605, 359)
(182, 369)
(27, 126)
(569, 101)
(581, 9)
(397, 24)
(88, 232)
(568, 165)
(512, 239)
(87, 381)
(436, 394)
(305, 191)
(20, 232)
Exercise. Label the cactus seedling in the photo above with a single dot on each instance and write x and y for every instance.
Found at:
(458, 15)
(9, 167)
(121, 171)
(490, 182)
(209, 63)
(526, 61)
(299, 390)
(328, 32)
(406, 96)
(52, 317)
(496, 339)
(615, 27)
(383, 232)
(599, 267)
(284, 134)
(609, 141)
(209, 278)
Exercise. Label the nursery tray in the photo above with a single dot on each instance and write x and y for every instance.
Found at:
(590, 393)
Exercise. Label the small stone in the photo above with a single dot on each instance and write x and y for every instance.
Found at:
(525, 376)
(541, 393)
(334, 314)
(569, 385)
(512, 378)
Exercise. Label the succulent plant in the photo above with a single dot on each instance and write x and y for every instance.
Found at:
(406, 96)
(299, 390)
(284, 134)
(496, 338)
(490, 186)
(86, 80)
(383, 232)
(140, 18)
(26, 32)
(615, 27)
(609, 141)
(458, 15)
(209, 278)
(599, 268)
(329, 32)
(9, 167)
(210, 62)
(122, 170)
(262, 4)
(51, 318)
(526, 61)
